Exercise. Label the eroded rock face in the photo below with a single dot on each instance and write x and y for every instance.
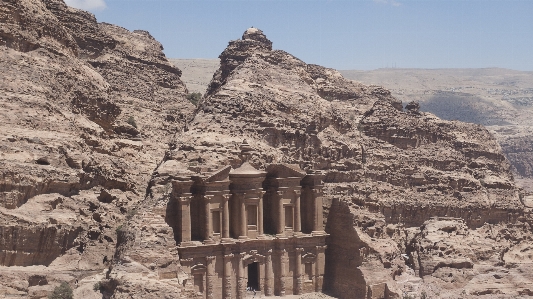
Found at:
(88, 110)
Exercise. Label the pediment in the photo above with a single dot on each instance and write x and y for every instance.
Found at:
(285, 171)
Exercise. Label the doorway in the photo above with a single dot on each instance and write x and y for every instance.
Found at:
(253, 276)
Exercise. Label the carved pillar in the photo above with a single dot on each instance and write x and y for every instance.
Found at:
(260, 216)
(268, 274)
(241, 283)
(207, 232)
(210, 277)
(282, 259)
(298, 271)
(225, 216)
(318, 221)
(297, 214)
(185, 207)
(319, 267)
(281, 214)
(227, 276)
(244, 231)
(189, 282)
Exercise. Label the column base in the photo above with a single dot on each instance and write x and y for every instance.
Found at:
(282, 236)
(243, 237)
(261, 237)
(227, 241)
(209, 242)
(186, 244)
(318, 233)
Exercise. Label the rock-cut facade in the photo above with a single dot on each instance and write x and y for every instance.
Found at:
(245, 229)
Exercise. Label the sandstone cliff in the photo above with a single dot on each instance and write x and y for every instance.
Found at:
(499, 99)
(87, 112)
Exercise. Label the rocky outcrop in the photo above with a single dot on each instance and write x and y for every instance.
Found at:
(89, 110)
(499, 99)
(518, 151)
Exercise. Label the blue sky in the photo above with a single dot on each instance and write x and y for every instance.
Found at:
(348, 34)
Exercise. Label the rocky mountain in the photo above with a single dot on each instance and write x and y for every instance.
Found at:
(500, 99)
(88, 110)
(413, 203)
(95, 127)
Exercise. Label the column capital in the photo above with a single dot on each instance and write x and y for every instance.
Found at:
(299, 249)
(185, 198)
(321, 248)
(317, 190)
(186, 261)
(210, 258)
(228, 256)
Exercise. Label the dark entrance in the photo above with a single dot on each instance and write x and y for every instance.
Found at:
(253, 276)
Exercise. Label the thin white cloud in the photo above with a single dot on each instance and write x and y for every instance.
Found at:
(390, 2)
(87, 4)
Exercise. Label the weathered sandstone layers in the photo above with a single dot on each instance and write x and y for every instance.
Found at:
(87, 112)
(96, 132)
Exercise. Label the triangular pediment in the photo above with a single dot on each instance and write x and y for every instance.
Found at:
(285, 171)
(219, 175)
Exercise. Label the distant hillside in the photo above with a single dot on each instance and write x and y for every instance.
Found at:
(489, 96)
(197, 73)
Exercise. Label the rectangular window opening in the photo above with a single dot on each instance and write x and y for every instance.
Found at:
(289, 223)
(216, 222)
(251, 215)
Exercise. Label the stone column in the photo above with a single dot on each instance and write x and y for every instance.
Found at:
(244, 231)
(268, 274)
(282, 259)
(207, 232)
(227, 276)
(281, 214)
(210, 277)
(225, 216)
(260, 216)
(241, 283)
(185, 207)
(297, 214)
(298, 271)
(318, 226)
(319, 267)
(189, 283)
